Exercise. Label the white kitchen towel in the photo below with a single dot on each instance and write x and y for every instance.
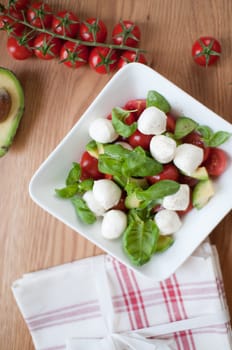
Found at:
(100, 301)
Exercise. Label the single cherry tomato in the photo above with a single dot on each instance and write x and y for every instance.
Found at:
(10, 25)
(195, 139)
(93, 30)
(18, 48)
(139, 139)
(103, 59)
(131, 56)
(187, 210)
(46, 46)
(169, 172)
(171, 123)
(206, 50)
(121, 204)
(65, 23)
(89, 167)
(18, 4)
(187, 180)
(39, 14)
(216, 162)
(73, 55)
(137, 105)
(126, 33)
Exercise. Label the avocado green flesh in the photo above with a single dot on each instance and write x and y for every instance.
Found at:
(9, 126)
(202, 193)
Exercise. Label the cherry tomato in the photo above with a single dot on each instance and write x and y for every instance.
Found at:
(216, 162)
(121, 204)
(46, 47)
(169, 172)
(187, 210)
(10, 25)
(137, 105)
(89, 167)
(65, 23)
(206, 51)
(139, 139)
(171, 123)
(18, 48)
(126, 33)
(187, 180)
(39, 14)
(18, 4)
(131, 56)
(73, 55)
(195, 139)
(93, 29)
(103, 59)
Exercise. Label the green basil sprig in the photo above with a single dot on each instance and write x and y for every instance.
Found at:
(212, 139)
(82, 210)
(157, 100)
(118, 120)
(184, 126)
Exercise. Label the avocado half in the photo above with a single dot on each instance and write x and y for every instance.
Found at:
(9, 126)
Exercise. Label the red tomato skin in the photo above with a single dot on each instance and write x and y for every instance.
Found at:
(119, 37)
(131, 56)
(189, 208)
(35, 20)
(54, 44)
(17, 51)
(87, 35)
(216, 162)
(71, 29)
(103, 60)
(19, 4)
(89, 167)
(195, 139)
(139, 139)
(81, 52)
(197, 50)
(14, 28)
(171, 123)
(169, 172)
(187, 180)
(137, 105)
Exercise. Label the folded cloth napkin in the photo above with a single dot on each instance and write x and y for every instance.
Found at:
(99, 303)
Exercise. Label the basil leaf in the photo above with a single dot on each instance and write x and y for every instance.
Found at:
(218, 138)
(138, 164)
(68, 191)
(205, 131)
(157, 100)
(85, 185)
(74, 174)
(118, 117)
(82, 211)
(116, 151)
(108, 165)
(184, 126)
(139, 240)
(164, 242)
(159, 190)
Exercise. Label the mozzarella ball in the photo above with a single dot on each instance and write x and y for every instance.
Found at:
(107, 193)
(113, 224)
(179, 200)
(102, 130)
(152, 121)
(167, 221)
(162, 148)
(124, 145)
(93, 204)
(188, 158)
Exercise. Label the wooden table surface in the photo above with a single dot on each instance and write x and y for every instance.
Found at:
(31, 239)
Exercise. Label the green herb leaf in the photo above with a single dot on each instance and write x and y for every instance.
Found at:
(184, 126)
(116, 151)
(139, 240)
(118, 117)
(164, 242)
(74, 174)
(109, 165)
(205, 131)
(159, 190)
(218, 138)
(85, 185)
(82, 211)
(157, 100)
(68, 191)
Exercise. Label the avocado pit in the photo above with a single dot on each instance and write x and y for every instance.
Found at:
(5, 104)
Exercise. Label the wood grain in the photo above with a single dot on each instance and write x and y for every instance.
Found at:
(30, 239)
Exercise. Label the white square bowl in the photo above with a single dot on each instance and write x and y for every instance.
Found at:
(134, 81)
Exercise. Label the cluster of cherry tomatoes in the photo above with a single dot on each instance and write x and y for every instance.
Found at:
(35, 30)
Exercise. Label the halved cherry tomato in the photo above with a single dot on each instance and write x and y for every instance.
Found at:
(39, 14)
(89, 167)
(73, 55)
(126, 33)
(171, 123)
(137, 105)
(93, 29)
(65, 23)
(46, 47)
(131, 56)
(195, 139)
(139, 139)
(169, 172)
(103, 59)
(216, 162)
